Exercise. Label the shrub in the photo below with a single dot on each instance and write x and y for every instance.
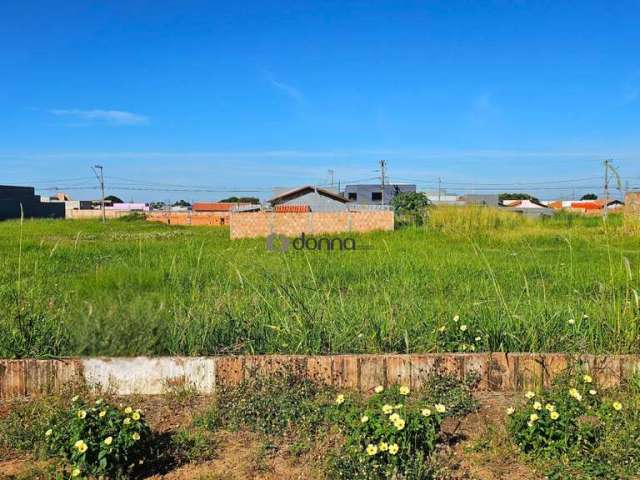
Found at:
(566, 418)
(389, 437)
(268, 404)
(100, 439)
(573, 427)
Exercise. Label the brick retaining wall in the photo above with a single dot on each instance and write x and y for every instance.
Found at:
(291, 224)
(498, 372)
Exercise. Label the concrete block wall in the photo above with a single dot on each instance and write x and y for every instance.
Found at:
(498, 372)
(292, 224)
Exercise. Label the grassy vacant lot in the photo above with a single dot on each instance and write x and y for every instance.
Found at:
(131, 287)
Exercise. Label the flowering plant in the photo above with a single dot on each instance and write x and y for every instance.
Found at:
(564, 418)
(390, 436)
(99, 439)
(459, 336)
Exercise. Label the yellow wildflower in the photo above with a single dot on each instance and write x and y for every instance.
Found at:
(383, 447)
(404, 390)
(426, 412)
(575, 394)
(534, 417)
(128, 410)
(48, 433)
(394, 417)
(617, 406)
(364, 419)
(592, 392)
(529, 394)
(587, 379)
(135, 436)
(75, 472)
(537, 406)
(550, 408)
(393, 448)
(102, 413)
(340, 399)
(511, 411)
(387, 409)
(440, 408)
(135, 416)
(554, 415)
(463, 328)
(379, 389)
(371, 449)
(399, 424)
(81, 446)
(108, 440)
(126, 421)
(82, 414)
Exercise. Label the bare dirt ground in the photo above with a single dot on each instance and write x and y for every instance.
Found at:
(475, 447)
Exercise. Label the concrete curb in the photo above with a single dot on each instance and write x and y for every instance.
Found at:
(498, 372)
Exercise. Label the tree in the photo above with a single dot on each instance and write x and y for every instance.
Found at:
(251, 200)
(411, 204)
(181, 203)
(589, 196)
(518, 196)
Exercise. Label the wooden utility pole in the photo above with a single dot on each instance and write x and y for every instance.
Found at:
(383, 165)
(100, 177)
(439, 189)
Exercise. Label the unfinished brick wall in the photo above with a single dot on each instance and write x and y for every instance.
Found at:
(291, 224)
(190, 218)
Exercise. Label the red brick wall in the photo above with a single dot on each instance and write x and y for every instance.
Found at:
(262, 224)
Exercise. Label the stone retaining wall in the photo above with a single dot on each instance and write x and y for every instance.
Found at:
(498, 372)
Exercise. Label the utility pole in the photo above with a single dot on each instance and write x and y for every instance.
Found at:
(439, 189)
(100, 178)
(606, 188)
(383, 165)
(331, 174)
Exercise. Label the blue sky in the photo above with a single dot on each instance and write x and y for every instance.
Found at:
(249, 95)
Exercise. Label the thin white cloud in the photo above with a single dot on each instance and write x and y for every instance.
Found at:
(115, 117)
(287, 89)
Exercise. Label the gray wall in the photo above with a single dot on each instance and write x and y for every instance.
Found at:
(363, 192)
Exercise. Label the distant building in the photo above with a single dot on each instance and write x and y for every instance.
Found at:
(17, 201)
(444, 198)
(480, 199)
(308, 197)
(219, 206)
(371, 194)
(130, 207)
(528, 208)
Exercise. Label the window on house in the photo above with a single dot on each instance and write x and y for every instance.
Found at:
(353, 196)
(376, 196)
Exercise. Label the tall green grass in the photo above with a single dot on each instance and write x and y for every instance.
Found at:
(125, 288)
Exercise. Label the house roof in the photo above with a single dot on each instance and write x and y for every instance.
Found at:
(296, 192)
(523, 204)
